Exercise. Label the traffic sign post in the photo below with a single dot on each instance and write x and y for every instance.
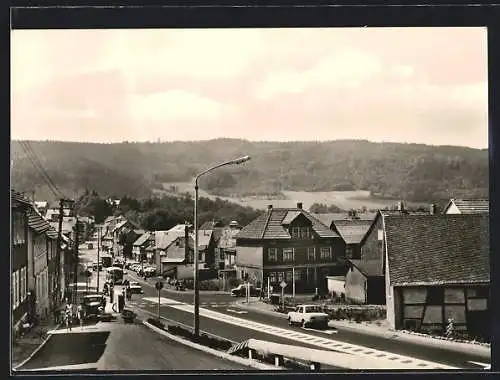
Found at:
(283, 286)
(87, 280)
(159, 286)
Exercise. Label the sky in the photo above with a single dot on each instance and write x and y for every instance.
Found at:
(415, 85)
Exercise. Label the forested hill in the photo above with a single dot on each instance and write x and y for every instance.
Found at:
(414, 172)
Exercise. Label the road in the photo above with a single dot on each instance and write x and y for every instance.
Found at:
(119, 346)
(216, 309)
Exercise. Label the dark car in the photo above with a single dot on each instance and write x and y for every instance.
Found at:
(241, 291)
(93, 304)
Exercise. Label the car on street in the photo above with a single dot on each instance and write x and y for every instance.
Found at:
(93, 304)
(308, 316)
(95, 265)
(241, 291)
(135, 288)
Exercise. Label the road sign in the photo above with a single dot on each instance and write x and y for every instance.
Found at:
(283, 284)
(159, 285)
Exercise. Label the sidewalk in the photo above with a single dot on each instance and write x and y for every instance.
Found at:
(383, 330)
(24, 346)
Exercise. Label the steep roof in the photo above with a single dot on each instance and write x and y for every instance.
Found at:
(204, 237)
(18, 198)
(164, 238)
(370, 268)
(470, 206)
(40, 225)
(142, 239)
(352, 231)
(210, 225)
(438, 249)
(269, 225)
(328, 219)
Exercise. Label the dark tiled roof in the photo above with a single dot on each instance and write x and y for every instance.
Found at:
(19, 198)
(210, 225)
(370, 268)
(269, 225)
(353, 231)
(472, 206)
(142, 239)
(438, 249)
(37, 223)
(327, 219)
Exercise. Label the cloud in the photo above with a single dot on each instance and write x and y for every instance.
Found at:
(174, 105)
(348, 69)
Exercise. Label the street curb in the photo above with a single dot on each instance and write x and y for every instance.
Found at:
(211, 351)
(36, 350)
(273, 313)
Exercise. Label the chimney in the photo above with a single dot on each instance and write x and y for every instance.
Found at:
(432, 209)
(401, 206)
(299, 205)
(270, 207)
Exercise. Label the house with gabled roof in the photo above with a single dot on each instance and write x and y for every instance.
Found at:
(139, 247)
(352, 227)
(437, 269)
(291, 245)
(467, 206)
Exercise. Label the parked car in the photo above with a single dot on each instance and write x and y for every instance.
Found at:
(241, 291)
(180, 285)
(308, 316)
(135, 288)
(149, 272)
(93, 304)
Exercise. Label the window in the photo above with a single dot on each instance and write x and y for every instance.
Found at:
(16, 288)
(311, 254)
(326, 253)
(348, 252)
(288, 254)
(272, 254)
(281, 275)
(272, 277)
(380, 235)
(298, 275)
(435, 295)
(305, 233)
(222, 256)
(289, 276)
(23, 284)
(295, 232)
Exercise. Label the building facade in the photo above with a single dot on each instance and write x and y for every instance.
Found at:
(290, 245)
(19, 260)
(437, 271)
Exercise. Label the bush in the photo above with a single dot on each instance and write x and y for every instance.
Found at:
(206, 340)
(234, 282)
(357, 313)
(204, 284)
(155, 322)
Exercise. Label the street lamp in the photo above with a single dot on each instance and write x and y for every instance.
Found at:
(236, 161)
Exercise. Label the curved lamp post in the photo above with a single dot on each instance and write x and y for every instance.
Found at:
(236, 161)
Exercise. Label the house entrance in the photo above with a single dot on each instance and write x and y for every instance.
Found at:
(478, 324)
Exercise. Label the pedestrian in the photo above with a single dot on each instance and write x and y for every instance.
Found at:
(68, 315)
(80, 315)
(129, 293)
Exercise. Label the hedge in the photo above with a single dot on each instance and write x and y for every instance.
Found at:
(356, 313)
(213, 284)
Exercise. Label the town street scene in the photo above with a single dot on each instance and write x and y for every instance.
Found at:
(249, 200)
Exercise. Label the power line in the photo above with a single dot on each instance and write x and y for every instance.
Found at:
(40, 169)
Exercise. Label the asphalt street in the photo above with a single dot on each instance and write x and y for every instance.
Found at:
(221, 303)
(119, 346)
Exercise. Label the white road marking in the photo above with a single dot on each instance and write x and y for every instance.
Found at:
(237, 311)
(391, 361)
(329, 332)
(484, 365)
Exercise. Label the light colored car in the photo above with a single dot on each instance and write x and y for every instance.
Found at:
(136, 288)
(308, 316)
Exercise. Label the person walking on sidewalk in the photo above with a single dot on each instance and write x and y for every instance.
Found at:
(80, 315)
(68, 314)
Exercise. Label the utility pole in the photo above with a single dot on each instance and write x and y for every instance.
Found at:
(58, 267)
(98, 254)
(75, 285)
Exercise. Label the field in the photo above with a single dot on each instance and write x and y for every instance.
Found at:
(343, 199)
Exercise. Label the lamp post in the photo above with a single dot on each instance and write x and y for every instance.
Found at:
(236, 161)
